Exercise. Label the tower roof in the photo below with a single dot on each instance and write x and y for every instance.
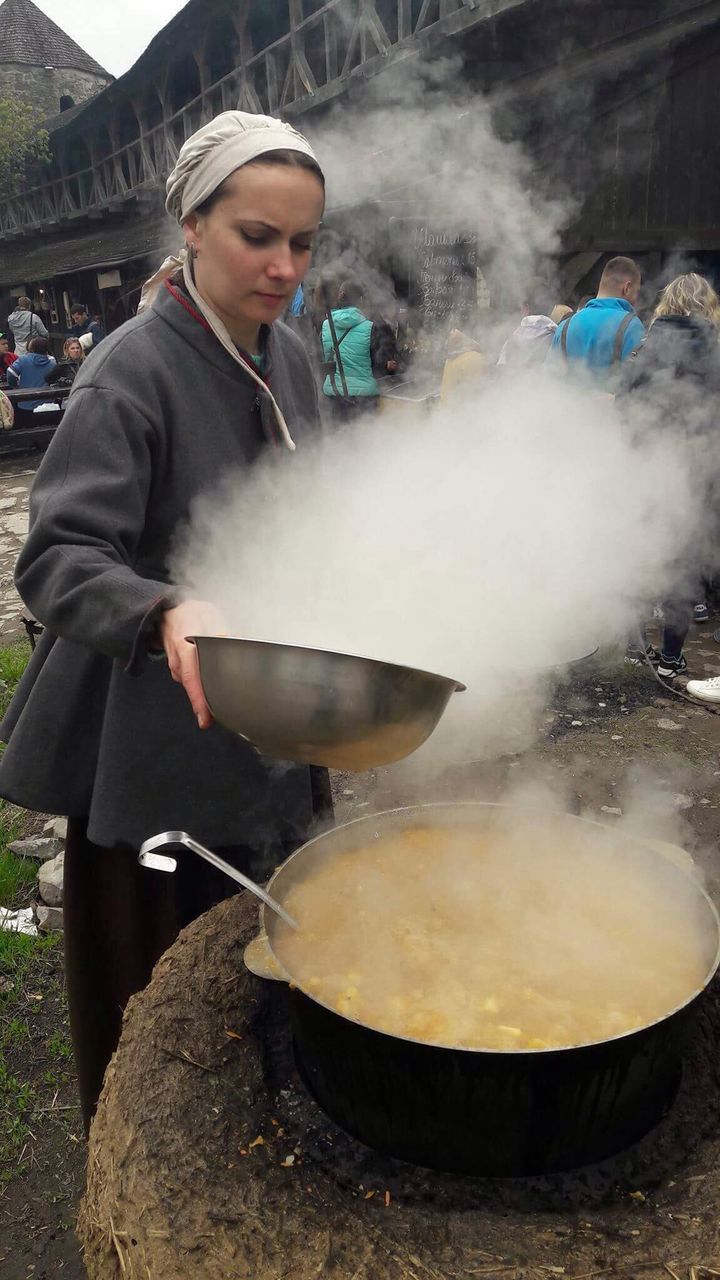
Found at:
(28, 36)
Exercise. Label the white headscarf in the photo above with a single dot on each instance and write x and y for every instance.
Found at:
(218, 149)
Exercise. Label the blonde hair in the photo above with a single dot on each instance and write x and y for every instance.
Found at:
(689, 295)
(68, 343)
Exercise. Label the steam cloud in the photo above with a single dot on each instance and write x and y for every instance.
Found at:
(515, 528)
(508, 532)
(419, 141)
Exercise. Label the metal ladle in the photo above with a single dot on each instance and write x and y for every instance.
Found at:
(147, 857)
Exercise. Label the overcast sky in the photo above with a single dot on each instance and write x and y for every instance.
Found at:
(115, 32)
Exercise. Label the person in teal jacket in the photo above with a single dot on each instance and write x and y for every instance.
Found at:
(606, 331)
(355, 388)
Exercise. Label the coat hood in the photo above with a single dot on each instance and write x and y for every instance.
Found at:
(529, 342)
(346, 318)
(533, 328)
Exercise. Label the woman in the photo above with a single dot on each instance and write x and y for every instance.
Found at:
(73, 354)
(173, 401)
(676, 373)
(69, 367)
(358, 349)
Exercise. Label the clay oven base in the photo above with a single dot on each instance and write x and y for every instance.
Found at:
(181, 1188)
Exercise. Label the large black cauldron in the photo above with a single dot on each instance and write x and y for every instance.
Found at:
(486, 1112)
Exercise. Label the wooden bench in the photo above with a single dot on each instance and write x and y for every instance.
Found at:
(31, 435)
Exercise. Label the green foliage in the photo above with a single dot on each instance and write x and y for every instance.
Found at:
(24, 968)
(17, 876)
(13, 661)
(22, 143)
(59, 1046)
(15, 1032)
(27, 969)
(17, 1099)
(15, 949)
(20, 957)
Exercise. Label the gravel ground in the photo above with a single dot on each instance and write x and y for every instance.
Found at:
(16, 477)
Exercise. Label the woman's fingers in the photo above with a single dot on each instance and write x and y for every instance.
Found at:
(188, 675)
(185, 619)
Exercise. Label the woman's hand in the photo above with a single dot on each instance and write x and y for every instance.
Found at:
(193, 617)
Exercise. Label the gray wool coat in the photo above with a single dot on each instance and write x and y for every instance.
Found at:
(158, 414)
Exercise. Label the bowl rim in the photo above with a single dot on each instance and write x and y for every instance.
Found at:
(458, 686)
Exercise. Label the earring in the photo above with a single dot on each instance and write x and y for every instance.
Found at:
(192, 252)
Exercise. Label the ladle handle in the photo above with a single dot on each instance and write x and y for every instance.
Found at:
(182, 837)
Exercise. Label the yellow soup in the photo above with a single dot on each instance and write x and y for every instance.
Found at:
(519, 938)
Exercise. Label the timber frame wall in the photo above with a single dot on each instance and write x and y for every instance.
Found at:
(641, 152)
(129, 150)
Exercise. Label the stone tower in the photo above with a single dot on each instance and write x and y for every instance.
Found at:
(41, 64)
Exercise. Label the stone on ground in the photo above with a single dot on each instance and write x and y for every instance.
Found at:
(56, 827)
(41, 848)
(50, 881)
(50, 919)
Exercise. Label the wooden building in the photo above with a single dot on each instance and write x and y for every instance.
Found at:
(616, 102)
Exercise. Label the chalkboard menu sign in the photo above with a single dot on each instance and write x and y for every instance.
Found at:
(442, 273)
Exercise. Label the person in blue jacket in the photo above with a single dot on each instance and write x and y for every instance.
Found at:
(597, 339)
(364, 349)
(31, 370)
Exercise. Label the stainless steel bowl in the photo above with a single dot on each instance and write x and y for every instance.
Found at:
(318, 707)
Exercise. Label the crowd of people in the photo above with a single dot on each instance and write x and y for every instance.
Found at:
(25, 325)
(30, 365)
(672, 364)
(673, 368)
(603, 341)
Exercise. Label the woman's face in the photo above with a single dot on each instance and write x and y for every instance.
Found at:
(253, 247)
(74, 351)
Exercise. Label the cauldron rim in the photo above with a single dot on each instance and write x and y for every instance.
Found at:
(456, 807)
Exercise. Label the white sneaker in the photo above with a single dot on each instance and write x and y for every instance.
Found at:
(705, 690)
